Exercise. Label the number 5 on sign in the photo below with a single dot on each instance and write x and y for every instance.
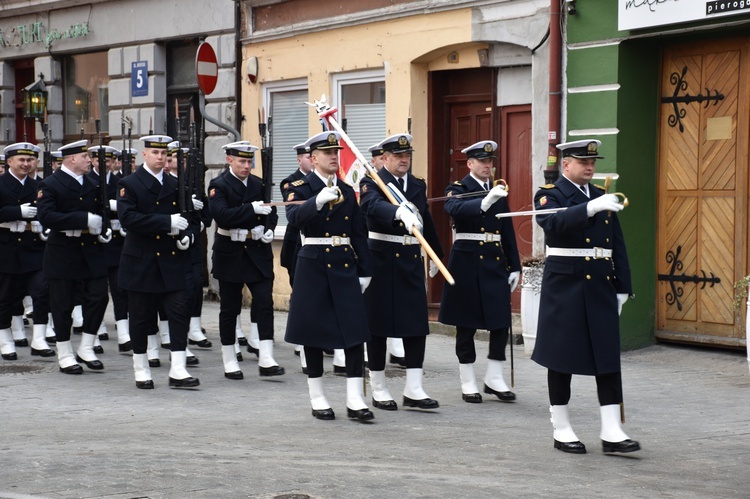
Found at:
(139, 79)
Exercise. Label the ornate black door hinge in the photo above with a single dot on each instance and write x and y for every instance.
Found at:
(674, 295)
(678, 80)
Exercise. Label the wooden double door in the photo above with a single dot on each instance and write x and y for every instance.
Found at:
(703, 191)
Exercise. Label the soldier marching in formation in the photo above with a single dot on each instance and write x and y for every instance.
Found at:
(359, 272)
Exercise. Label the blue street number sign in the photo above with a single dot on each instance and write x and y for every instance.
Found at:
(139, 79)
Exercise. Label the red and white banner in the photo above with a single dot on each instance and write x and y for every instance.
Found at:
(351, 169)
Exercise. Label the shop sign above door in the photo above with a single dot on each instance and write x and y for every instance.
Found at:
(637, 14)
(28, 34)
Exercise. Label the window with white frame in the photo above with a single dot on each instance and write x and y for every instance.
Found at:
(360, 98)
(288, 116)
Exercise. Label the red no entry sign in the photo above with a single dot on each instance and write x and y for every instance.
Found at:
(206, 68)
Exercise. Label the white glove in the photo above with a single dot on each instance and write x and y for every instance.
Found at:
(621, 299)
(18, 226)
(326, 195)
(256, 232)
(513, 280)
(36, 227)
(178, 223)
(364, 282)
(183, 243)
(44, 235)
(28, 211)
(197, 203)
(72, 233)
(95, 224)
(106, 237)
(409, 218)
(267, 237)
(433, 269)
(238, 235)
(260, 209)
(203, 226)
(607, 202)
(112, 205)
(491, 198)
(115, 224)
(123, 232)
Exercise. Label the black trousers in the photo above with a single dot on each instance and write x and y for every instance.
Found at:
(13, 288)
(414, 347)
(196, 304)
(261, 310)
(62, 299)
(355, 361)
(466, 352)
(119, 296)
(608, 387)
(144, 308)
(39, 292)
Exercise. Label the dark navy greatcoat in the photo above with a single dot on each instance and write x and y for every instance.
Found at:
(151, 261)
(480, 299)
(396, 300)
(113, 249)
(64, 204)
(579, 328)
(20, 252)
(230, 203)
(291, 243)
(327, 309)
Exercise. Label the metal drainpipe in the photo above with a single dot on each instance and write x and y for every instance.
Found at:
(555, 90)
(238, 65)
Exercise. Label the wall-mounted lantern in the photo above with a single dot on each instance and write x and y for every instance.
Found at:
(35, 99)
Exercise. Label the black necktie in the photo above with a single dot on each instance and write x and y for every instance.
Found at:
(486, 187)
(584, 190)
(401, 184)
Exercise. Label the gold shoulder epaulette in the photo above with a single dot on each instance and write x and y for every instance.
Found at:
(457, 182)
(548, 186)
(420, 178)
(299, 182)
(599, 186)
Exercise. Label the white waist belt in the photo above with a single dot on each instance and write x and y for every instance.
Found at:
(325, 241)
(223, 232)
(484, 236)
(406, 239)
(595, 252)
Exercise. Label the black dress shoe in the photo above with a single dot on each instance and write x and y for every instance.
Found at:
(620, 447)
(26, 319)
(203, 330)
(188, 382)
(504, 396)
(571, 447)
(472, 398)
(361, 414)
(154, 363)
(339, 369)
(21, 343)
(399, 361)
(166, 346)
(324, 414)
(104, 336)
(427, 403)
(251, 349)
(51, 340)
(386, 405)
(271, 371)
(192, 361)
(304, 370)
(94, 365)
(145, 385)
(242, 341)
(239, 357)
(125, 347)
(234, 375)
(10, 356)
(47, 352)
(74, 369)
(201, 343)
(296, 352)
(98, 349)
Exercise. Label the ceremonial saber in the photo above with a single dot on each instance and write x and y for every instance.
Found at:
(327, 112)
(281, 203)
(530, 212)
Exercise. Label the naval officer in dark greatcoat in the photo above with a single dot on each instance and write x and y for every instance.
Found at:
(485, 264)
(155, 266)
(333, 270)
(586, 281)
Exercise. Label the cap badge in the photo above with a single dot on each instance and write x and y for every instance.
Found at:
(403, 141)
(488, 147)
(332, 139)
(592, 147)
